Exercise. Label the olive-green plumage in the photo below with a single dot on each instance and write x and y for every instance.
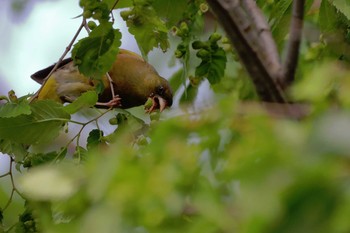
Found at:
(134, 80)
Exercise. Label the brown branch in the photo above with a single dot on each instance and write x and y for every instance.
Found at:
(244, 38)
(267, 46)
(277, 110)
(295, 32)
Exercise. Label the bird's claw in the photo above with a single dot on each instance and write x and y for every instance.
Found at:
(113, 103)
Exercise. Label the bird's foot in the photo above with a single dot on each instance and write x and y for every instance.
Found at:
(113, 103)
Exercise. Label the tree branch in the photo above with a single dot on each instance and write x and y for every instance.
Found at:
(295, 32)
(245, 37)
(267, 45)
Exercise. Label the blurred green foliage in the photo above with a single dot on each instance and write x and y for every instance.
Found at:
(231, 167)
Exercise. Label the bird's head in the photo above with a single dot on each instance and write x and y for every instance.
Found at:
(160, 97)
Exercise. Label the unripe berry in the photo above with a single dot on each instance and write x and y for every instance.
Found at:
(113, 121)
(203, 54)
(184, 27)
(92, 25)
(214, 37)
(198, 44)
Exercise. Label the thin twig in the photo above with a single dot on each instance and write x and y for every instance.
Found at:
(110, 12)
(295, 32)
(14, 189)
(114, 5)
(86, 26)
(107, 74)
(77, 136)
(111, 83)
(6, 174)
(68, 48)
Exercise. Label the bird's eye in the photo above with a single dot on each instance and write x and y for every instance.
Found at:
(160, 90)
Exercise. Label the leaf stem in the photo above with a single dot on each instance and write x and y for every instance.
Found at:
(77, 136)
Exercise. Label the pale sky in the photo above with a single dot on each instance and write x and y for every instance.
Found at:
(36, 39)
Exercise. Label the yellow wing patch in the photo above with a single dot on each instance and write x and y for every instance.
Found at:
(48, 91)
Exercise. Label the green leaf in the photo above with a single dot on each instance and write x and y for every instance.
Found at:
(42, 125)
(94, 139)
(214, 68)
(13, 109)
(176, 80)
(127, 123)
(149, 30)
(98, 10)
(36, 159)
(334, 26)
(86, 100)
(170, 11)
(26, 222)
(343, 6)
(189, 94)
(96, 54)
(80, 154)
(280, 19)
(13, 148)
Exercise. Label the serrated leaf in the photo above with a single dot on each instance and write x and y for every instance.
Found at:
(343, 6)
(12, 109)
(86, 100)
(42, 125)
(96, 54)
(149, 30)
(214, 68)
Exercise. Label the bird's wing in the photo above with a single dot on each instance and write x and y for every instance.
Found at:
(42, 74)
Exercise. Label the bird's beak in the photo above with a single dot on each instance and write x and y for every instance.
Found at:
(157, 103)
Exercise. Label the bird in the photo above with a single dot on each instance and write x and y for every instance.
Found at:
(133, 80)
